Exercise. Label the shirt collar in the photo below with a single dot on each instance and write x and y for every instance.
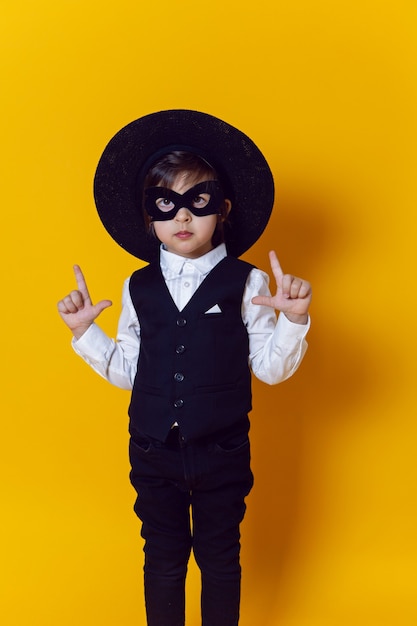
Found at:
(173, 264)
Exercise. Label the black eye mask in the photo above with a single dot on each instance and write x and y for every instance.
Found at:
(157, 198)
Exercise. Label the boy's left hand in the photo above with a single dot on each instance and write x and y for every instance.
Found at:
(293, 295)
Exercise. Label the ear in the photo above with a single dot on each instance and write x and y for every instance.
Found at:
(225, 210)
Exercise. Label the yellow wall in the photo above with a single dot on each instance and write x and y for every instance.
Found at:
(328, 91)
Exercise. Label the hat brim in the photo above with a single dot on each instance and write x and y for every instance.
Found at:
(242, 167)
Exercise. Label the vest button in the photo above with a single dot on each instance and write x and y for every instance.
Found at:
(178, 377)
(180, 349)
(181, 321)
(178, 404)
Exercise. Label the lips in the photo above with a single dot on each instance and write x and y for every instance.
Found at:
(183, 234)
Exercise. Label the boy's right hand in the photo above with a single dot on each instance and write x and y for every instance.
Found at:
(77, 310)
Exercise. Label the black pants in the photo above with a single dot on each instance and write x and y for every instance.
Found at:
(210, 478)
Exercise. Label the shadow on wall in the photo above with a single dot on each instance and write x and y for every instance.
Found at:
(295, 418)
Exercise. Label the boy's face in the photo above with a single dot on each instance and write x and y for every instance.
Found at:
(186, 234)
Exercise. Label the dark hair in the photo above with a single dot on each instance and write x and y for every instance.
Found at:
(166, 169)
(164, 172)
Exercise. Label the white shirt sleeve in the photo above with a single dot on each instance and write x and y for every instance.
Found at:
(115, 360)
(276, 348)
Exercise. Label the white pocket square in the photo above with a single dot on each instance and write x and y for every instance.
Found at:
(214, 309)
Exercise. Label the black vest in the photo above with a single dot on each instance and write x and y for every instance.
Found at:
(193, 365)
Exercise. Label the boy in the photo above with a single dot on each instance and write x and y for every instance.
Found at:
(189, 193)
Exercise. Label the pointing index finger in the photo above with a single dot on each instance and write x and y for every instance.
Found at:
(275, 266)
(81, 284)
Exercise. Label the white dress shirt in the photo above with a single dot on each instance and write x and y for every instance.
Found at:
(276, 348)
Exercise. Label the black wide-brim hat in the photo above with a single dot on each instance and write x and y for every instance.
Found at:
(246, 177)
